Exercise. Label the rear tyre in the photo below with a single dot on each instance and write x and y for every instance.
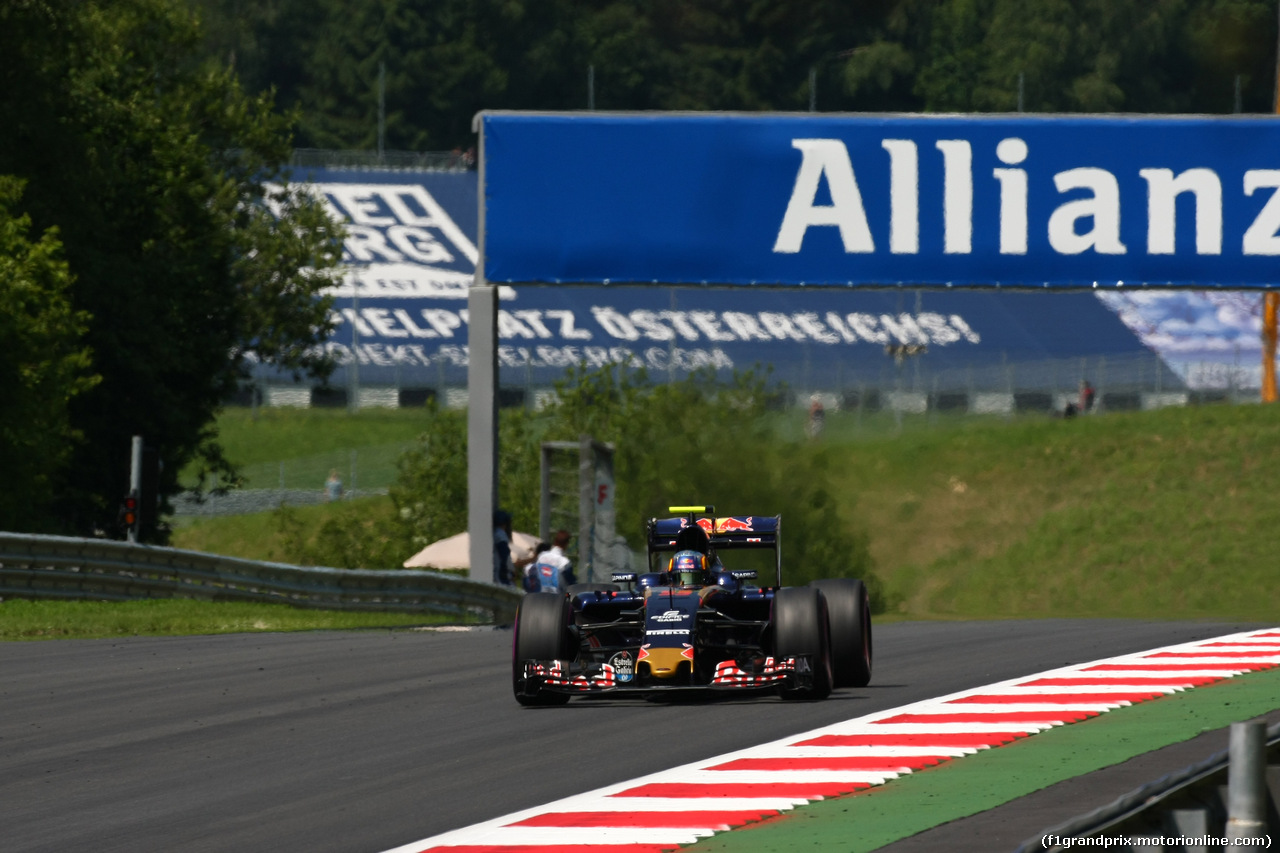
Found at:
(541, 633)
(849, 612)
(800, 628)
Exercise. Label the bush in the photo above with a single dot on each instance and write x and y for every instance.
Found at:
(690, 442)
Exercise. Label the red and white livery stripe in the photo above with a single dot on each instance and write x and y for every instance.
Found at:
(676, 807)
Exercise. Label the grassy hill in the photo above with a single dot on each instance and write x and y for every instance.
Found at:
(1152, 514)
(1166, 514)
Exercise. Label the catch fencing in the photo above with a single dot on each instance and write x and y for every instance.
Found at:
(908, 380)
(58, 567)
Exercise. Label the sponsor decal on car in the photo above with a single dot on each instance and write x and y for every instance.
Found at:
(728, 524)
(671, 616)
(624, 667)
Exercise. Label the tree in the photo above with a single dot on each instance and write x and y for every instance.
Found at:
(46, 365)
(192, 257)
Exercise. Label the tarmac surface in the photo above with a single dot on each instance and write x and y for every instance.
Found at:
(363, 741)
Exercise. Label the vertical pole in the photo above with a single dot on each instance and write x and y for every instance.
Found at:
(482, 401)
(586, 507)
(544, 504)
(591, 87)
(1022, 85)
(1246, 782)
(813, 89)
(353, 365)
(1237, 104)
(135, 482)
(1270, 299)
(382, 108)
(482, 425)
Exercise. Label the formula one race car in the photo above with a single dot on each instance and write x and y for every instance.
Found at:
(690, 623)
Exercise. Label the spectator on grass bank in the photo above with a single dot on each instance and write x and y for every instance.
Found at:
(502, 547)
(817, 416)
(1086, 396)
(333, 486)
(552, 571)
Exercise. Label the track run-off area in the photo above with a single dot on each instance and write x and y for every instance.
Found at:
(366, 741)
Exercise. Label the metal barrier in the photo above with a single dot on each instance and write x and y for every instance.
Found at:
(33, 566)
(1191, 803)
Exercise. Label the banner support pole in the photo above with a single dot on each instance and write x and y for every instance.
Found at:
(482, 401)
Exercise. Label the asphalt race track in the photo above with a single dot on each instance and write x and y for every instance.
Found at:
(362, 741)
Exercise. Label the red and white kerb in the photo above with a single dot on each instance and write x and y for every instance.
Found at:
(666, 810)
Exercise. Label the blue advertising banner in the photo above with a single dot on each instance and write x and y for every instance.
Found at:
(410, 255)
(1040, 201)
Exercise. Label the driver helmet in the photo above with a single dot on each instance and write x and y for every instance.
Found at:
(688, 568)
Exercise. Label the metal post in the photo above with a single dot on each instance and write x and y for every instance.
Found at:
(813, 89)
(482, 426)
(591, 87)
(544, 504)
(586, 507)
(382, 109)
(1022, 81)
(353, 366)
(135, 481)
(1246, 782)
(482, 402)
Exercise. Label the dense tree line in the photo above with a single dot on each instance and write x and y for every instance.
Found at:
(144, 257)
(150, 249)
(444, 60)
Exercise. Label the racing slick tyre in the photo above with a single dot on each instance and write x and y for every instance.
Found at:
(541, 633)
(800, 628)
(849, 613)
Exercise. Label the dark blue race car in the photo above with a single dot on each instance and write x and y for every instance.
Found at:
(690, 623)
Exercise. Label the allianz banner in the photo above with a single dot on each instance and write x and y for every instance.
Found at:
(739, 199)
(410, 254)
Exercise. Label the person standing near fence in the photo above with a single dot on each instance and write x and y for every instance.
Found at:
(553, 571)
(817, 416)
(502, 547)
(1086, 397)
(332, 486)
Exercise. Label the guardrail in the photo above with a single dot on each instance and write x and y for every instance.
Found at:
(1191, 803)
(34, 566)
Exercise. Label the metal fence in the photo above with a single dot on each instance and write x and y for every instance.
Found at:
(400, 161)
(67, 568)
(905, 382)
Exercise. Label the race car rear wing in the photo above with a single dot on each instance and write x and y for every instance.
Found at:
(724, 532)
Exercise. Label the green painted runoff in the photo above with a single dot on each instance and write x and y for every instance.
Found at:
(975, 783)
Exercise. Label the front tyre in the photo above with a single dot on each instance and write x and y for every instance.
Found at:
(541, 633)
(800, 629)
(849, 610)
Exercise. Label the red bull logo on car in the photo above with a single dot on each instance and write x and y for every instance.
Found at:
(724, 525)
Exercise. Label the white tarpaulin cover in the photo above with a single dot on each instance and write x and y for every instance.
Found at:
(454, 552)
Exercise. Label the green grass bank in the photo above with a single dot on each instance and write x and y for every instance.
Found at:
(1167, 514)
